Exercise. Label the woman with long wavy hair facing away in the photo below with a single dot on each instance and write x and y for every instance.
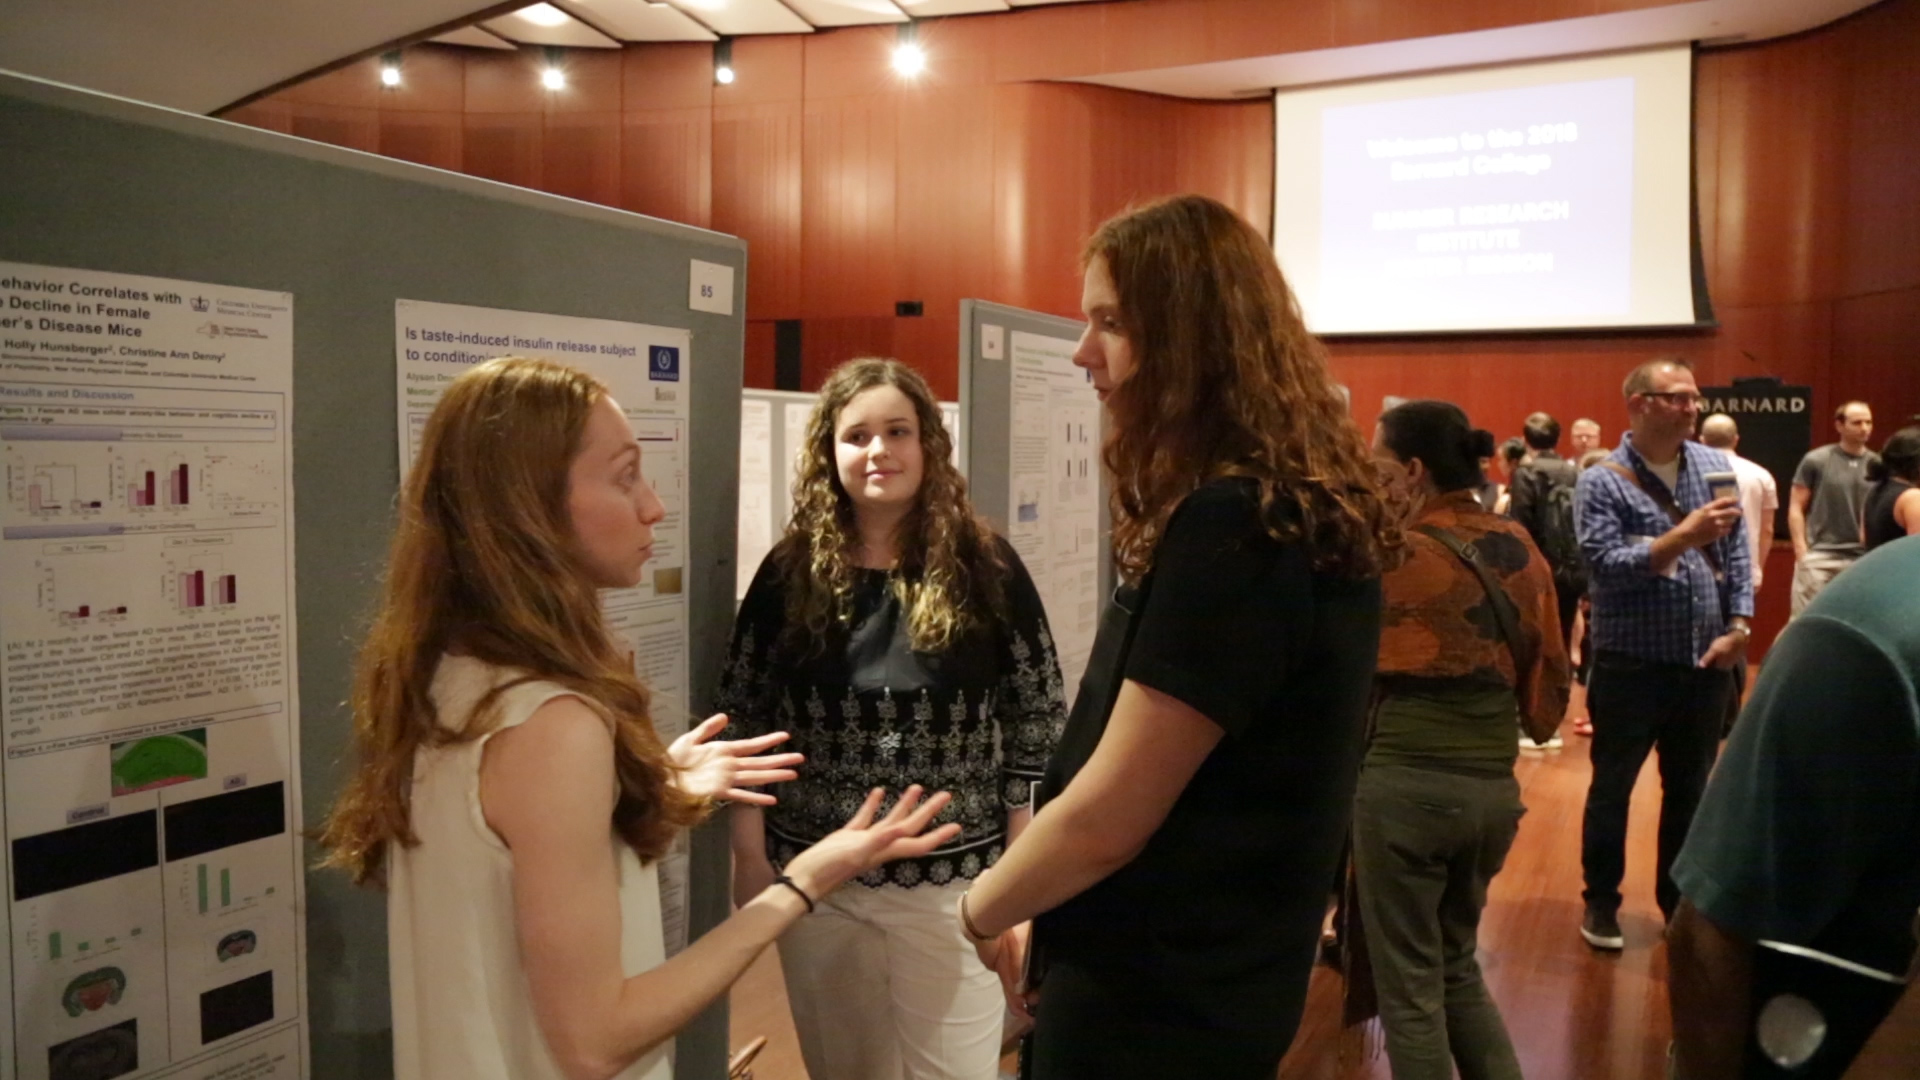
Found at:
(1190, 822)
(510, 791)
(901, 642)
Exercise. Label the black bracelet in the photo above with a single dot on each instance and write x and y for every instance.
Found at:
(783, 879)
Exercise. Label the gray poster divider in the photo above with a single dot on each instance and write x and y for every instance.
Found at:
(102, 183)
(986, 411)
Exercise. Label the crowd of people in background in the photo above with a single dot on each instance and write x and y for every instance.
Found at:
(1313, 670)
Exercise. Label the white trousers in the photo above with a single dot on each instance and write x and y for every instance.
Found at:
(884, 987)
(1814, 573)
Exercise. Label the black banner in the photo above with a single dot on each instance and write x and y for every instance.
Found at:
(1776, 428)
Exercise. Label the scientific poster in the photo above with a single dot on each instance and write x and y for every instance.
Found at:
(646, 368)
(1054, 490)
(755, 528)
(150, 781)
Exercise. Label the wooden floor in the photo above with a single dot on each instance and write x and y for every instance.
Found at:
(1572, 1012)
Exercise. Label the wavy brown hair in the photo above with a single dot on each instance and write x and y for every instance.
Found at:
(950, 569)
(484, 563)
(1227, 381)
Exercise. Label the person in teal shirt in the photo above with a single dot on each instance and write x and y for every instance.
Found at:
(1801, 872)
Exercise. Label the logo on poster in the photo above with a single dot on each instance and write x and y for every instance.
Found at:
(199, 303)
(663, 363)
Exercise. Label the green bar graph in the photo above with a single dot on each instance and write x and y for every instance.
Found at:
(226, 888)
(203, 888)
(53, 944)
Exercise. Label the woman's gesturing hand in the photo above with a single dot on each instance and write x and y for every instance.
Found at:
(716, 769)
(864, 843)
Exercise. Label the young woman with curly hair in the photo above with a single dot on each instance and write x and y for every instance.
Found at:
(1196, 808)
(510, 791)
(901, 642)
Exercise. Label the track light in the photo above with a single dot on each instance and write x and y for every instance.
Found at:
(908, 58)
(553, 78)
(723, 61)
(390, 69)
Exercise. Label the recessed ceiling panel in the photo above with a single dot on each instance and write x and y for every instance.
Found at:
(639, 20)
(473, 37)
(848, 12)
(921, 9)
(544, 24)
(742, 16)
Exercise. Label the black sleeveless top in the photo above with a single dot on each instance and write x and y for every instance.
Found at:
(1877, 515)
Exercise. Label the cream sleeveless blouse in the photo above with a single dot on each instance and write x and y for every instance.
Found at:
(461, 1006)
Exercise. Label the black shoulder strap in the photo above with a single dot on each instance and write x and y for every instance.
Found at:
(1505, 611)
(1664, 500)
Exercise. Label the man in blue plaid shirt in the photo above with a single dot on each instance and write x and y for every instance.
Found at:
(1671, 593)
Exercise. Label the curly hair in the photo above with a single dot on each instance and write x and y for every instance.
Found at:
(950, 569)
(1227, 381)
(484, 563)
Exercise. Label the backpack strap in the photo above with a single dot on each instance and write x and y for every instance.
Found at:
(1664, 500)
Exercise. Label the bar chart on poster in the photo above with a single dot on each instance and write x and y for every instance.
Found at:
(149, 780)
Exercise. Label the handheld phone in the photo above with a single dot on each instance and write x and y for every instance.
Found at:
(1723, 485)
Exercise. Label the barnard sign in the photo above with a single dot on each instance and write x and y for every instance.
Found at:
(1737, 406)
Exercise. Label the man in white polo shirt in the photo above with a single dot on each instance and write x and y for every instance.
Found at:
(1759, 495)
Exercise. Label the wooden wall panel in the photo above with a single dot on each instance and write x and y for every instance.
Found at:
(1881, 227)
(504, 146)
(943, 219)
(1876, 349)
(1781, 133)
(267, 114)
(1226, 151)
(848, 150)
(351, 127)
(666, 166)
(756, 170)
(580, 156)
(828, 342)
(424, 138)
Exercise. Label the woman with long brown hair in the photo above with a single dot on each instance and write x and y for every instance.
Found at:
(510, 791)
(1195, 810)
(901, 642)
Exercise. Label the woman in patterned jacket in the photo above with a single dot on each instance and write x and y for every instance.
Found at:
(1437, 805)
(900, 641)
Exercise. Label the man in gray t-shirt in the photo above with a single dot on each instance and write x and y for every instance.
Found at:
(1829, 491)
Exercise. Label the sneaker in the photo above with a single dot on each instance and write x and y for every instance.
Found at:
(1583, 726)
(1554, 742)
(1602, 929)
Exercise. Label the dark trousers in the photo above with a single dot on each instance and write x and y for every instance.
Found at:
(1639, 706)
(1425, 845)
(1569, 600)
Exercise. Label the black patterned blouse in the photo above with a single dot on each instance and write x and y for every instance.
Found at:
(979, 719)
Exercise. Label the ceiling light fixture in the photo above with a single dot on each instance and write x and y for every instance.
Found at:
(390, 69)
(909, 59)
(553, 77)
(723, 61)
(543, 15)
